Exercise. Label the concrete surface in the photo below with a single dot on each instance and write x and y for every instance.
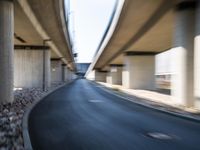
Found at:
(139, 72)
(183, 78)
(82, 116)
(100, 76)
(139, 31)
(6, 50)
(28, 68)
(197, 56)
(56, 71)
(115, 75)
(44, 20)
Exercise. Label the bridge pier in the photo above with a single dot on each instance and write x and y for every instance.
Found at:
(64, 73)
(183, 79)
(68, 74)
(56, 71)
(139, 70)
(6, 50)
(28, 68)
(197, 57)
(100, 76)
(115, 74)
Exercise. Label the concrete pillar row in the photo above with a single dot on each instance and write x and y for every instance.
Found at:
(183, 78)
(197, 56)
(114, 76)
(6, 50)
(139, 70)
(100, 76)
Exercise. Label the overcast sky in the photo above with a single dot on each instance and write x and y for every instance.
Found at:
(91, 18)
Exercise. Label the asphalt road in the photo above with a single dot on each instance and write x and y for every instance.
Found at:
(82, 116)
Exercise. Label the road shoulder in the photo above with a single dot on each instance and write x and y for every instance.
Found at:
(164, 108)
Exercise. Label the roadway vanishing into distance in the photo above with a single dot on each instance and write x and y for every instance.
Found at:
(82, 116)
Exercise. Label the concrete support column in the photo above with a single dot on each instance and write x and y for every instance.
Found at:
(6, 50)
(183, 78)
(139, 70)
(115, 74)
(69, 75)
(64, 68)
(28, 69)
(197, 57)
(56, 71)
(100, 76)
(47, 69)
(66, 74)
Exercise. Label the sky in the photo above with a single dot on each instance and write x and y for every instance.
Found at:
(88, 22)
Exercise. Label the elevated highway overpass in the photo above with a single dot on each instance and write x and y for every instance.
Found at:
(143, 29)
(35, 48)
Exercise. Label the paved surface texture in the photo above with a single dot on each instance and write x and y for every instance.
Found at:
(81, 116)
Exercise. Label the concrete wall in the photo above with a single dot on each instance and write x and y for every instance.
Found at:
(66, 74)
(100, 76)
(56, 71)
(28, 68)
(115, 75)
(139, 72)
(108, 78)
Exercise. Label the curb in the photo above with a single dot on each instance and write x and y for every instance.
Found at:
(25, 132)
(109, 90)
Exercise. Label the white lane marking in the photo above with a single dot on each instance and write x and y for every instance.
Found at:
(160, 136)
(95, 101)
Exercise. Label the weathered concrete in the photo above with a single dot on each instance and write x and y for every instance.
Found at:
(138, 31)
(67, 75)
(115, 75)
(6, 50)
(197, 58)
(47, 17)
(139, 72)
(183, 80)
(56, 71)
(100, 76)
(28, 68)
(64, 72)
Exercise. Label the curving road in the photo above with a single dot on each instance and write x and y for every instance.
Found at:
(82, 116)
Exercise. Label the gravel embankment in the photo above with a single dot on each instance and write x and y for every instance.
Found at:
(11, 117)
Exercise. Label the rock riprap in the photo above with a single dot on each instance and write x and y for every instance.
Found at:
(11, 115)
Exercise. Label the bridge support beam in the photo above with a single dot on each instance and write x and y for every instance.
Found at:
(139, 70)
(115, 74)
(56, 71)
(6, 50)
(183, 79)
(100, 76)
(28, 68)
